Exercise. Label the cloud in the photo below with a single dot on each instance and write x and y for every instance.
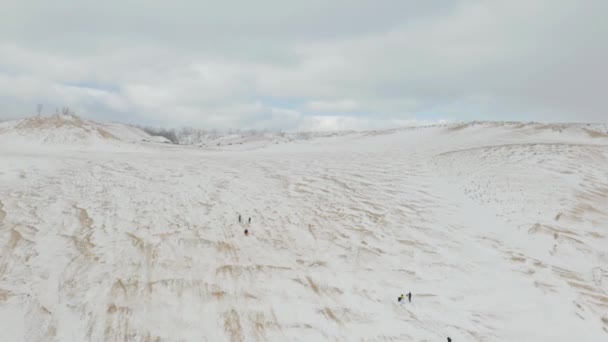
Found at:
(349, 123)
(306, 65)
(332, 106)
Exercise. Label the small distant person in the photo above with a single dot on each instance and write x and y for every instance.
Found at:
(239, 218)
(250, 220)
(400, 298)
(246, 232)
(409, 297)
(449, 339)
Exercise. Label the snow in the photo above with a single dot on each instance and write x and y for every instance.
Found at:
(247, 140)
(130, 133)
(499, 230)
(67, 132)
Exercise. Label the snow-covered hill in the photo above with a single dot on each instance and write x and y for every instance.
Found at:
(70, 131)
(57, 129)
(499, 230)
(131, 133)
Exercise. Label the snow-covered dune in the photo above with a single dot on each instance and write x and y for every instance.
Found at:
(57, 129)
(65, 132)
(131, 133)
(499, 230)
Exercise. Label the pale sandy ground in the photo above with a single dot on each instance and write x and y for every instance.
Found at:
(499, 231)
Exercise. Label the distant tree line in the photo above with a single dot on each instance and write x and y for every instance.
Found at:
(169, 134)
(192, 136)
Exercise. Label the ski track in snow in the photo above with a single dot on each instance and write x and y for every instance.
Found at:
(500, 235)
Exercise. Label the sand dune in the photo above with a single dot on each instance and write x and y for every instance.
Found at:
(498, 230)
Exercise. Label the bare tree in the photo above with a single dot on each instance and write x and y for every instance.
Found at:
(66, 111)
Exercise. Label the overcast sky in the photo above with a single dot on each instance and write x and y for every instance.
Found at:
(308, 65)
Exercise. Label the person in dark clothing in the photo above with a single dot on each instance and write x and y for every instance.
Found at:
(400, 298)
(239, 218)
(250, 220)
(449, 339)
(246, 232)
(409, 297)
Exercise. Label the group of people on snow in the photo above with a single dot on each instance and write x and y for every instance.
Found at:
(248, 222)
(399, 299)
(402, 297)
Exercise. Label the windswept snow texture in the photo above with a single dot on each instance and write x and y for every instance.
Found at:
(500, 231)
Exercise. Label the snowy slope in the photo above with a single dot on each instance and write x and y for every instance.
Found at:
(498, 230)
(71, 132)
(249, 140)
(57, 129)
(130, 133)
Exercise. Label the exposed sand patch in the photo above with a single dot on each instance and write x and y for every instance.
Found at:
(122, 309)
(119, 328)
(581, 286)
(260, 323)
(2, 213)
(83, 217)
(318, 289)
(312, 231)
(148, 250)
(518, 259)
(592, 205)
(595, 134)
(54, 122)
(194, 242)
(232, 270)
(554, 231)
(327, 312)
(317, 263)
(84, 245)
(566, 274)
(313, 285)
(226, 248)
(232, 326)
(4, 295)
(105, 134)
(218, 295)
(13, 240)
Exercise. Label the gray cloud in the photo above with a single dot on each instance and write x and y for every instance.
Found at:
(306, 65)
